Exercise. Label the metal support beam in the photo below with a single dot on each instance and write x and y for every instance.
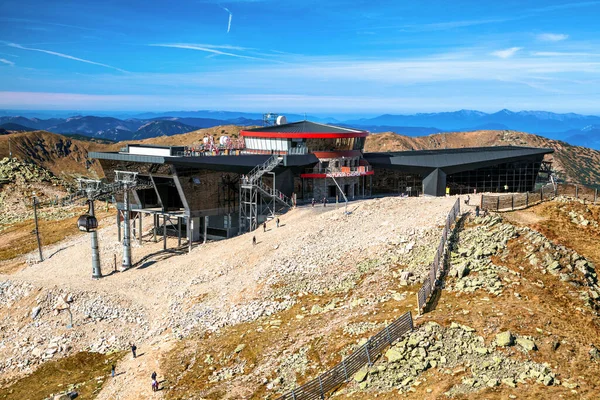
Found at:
(37, 230)
(155, 233)
(96, 271)
(126, 233)
(140, 228)
(164, 232)
(189, 232)
(178, 232)
(205, 227)
(119, 224)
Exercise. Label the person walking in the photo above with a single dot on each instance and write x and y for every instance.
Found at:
(264, 226)
(477, 211)
(277, 222)
(133, 349)
(324, 201)
(313, 202)
(253, 240)
(154, 382)
(112, 370)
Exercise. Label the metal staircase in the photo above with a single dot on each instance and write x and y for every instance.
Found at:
(252, 189)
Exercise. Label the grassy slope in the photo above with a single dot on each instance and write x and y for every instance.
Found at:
(81, 369)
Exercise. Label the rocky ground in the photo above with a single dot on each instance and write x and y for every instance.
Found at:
(517, 315)
(315, 251)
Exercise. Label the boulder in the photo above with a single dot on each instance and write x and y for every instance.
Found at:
(239, 348)
(527, 344)
(361, 375)
(509, 382)
(35, 311)
(504, 339)
(393, 355)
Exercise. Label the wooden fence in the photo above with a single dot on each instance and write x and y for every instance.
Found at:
(515, 201)
(364, 355)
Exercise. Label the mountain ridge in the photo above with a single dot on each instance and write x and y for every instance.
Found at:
(576, 129)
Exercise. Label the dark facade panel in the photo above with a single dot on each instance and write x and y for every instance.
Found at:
(216, 192)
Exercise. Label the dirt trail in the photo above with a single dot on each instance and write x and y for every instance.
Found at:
(133, 375)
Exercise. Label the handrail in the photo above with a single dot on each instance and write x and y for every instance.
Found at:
(329, 170)
(260, 169)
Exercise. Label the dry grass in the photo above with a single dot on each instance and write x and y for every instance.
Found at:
(20, 239)
(322, 333)
(87, 370)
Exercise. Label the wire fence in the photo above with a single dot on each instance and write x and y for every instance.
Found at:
(364, 355)
(438, 261)
(515, 201)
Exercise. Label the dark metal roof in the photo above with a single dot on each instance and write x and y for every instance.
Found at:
(453, 160)
(462, 150)
(304, 127)
(233, 163)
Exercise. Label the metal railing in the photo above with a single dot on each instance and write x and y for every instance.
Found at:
(515, 201)
(364, 355)
(257, 172)
(335, 170)
(273, 193)
(438, 261)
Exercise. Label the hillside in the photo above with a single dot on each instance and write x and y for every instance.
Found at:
(63, 156)
(261, 320)
(573, 163)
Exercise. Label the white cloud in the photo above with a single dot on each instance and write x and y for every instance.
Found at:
(5, 61)
(506, 53)
(208, 49)
(552, 37)
(54, 53)
(230, 17)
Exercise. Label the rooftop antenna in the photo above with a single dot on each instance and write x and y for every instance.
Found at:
(270, 119)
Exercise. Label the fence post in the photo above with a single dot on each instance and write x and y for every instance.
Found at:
(595, 195)
(367, 350)
(512, 202)
(345, 370)
(387, 330)
(293, 395)
(542, 194)
(497, 203)
(321, 387)
(526, 199)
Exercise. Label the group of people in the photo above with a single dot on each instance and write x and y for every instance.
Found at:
(153, 376)
(264, 230)
(313, 202)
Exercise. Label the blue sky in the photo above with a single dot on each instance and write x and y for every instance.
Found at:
(322, 57)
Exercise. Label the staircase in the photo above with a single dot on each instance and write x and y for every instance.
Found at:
(251, 186)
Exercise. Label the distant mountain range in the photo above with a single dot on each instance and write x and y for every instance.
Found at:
(576, 129)
(117, 129)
